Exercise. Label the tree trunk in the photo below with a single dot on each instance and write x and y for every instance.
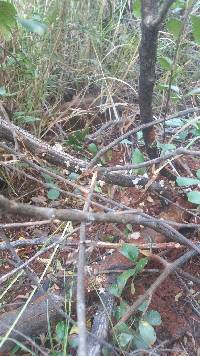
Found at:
(153, 15)
(148, 50)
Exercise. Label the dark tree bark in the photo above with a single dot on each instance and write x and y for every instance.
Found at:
(153, 15)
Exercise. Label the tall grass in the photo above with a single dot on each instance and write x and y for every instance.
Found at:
(87, 43)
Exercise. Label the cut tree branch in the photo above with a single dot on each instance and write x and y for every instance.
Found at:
(126, 217)
(50, 154)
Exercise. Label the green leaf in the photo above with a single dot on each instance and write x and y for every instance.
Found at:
(174, 26)
(139, 342)
(195, 91)
(142, 307)
(153, 317)
(179, 4)
(114, 290)
(128, 230)
(108, 238)
(109, 155)
(73, 176)
(74, 342)
(186, 181)
(47, 178)
(139, 135)
(174, 122)
(117, 288)
(126, 142)
(120, 310)
(195, 19)
(92, 148)
(124, 339)
(130, 251)
(30, 119)
(3, 91)
(173, 87)
(7, 17)
(194, 197)
(53, 194)
(123, 278)
(138, 157)
(98, 188)
(34, 26)
(105, 351)
(198, 173)
(137, 8)
(147, 332)
(166, 148)
(140, 265)
(165, 63)
(129, 227)
(77, 138)
(122, 328)
(60, 331)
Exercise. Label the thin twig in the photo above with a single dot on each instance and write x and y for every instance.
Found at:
(38, 254)
(126, 217)
(81, 310)
(24, 224)
(65, 181)
(178, 151)
(97, 244)
(135, 130)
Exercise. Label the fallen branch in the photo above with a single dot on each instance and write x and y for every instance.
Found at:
(18, 225)
(126, 217)
(134, 131)
(80, 305)
(52, 155)
(101, 321)
(29, 242)
(173, 154)
(124, 180)
(94, 244)
(39, 147)
(34, 320)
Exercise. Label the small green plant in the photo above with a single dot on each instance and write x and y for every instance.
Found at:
(138, 157)
(23, 118)
(141, 333)
(9, 20)
(132, 253)
(77, 139)
(53, 191)
(194, 195)
(188, 128)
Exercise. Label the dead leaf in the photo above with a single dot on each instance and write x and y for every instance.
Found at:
(178, 296)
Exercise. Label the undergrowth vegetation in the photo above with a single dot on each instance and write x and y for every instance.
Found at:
(87, 44)
(66, 68)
